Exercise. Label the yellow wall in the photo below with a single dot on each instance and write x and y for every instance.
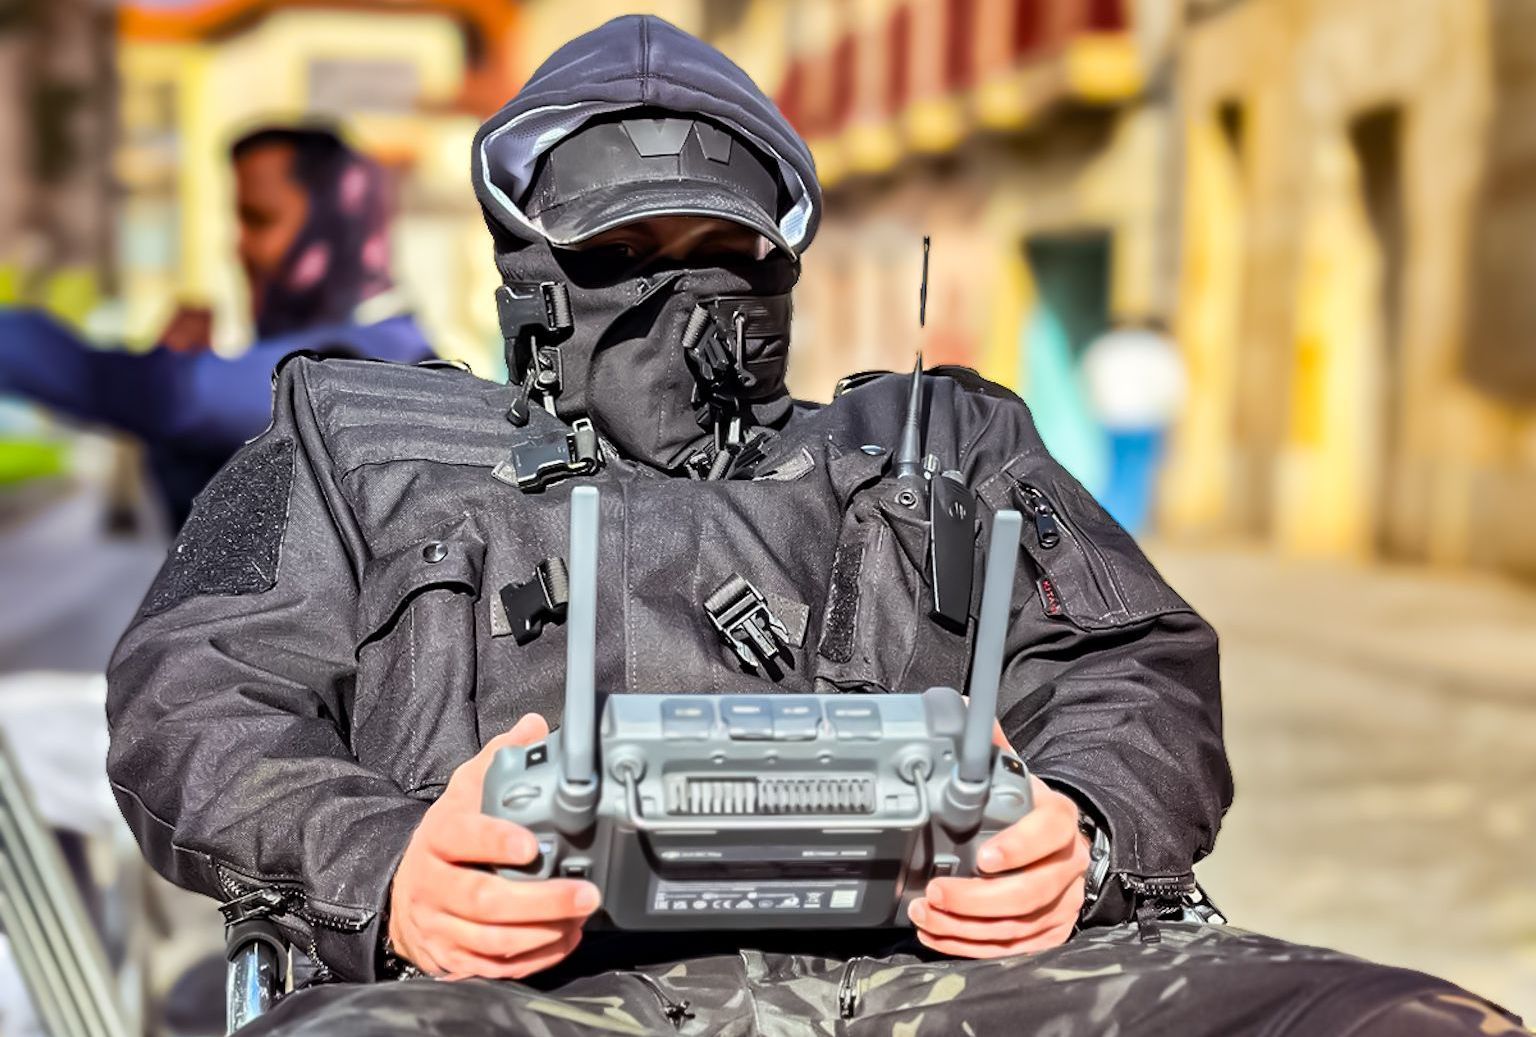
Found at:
(1326, 475)
(1196, 483)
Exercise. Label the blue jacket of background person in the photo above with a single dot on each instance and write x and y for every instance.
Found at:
(191, 410)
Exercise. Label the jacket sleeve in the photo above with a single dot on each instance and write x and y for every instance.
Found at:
(1111, 690)
(229, 696)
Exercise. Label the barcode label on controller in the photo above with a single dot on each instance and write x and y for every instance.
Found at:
(755, 897)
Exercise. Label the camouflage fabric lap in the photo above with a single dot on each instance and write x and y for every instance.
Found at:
(1194, 980)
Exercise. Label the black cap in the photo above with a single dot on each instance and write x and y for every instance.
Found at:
(619, 170)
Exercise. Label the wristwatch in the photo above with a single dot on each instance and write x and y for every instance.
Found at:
(1098, 860)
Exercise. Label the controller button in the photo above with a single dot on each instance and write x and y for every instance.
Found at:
(945, 865)
(796, 719)
(1013, 764)
(536, 755)
(575, 869)
(748, 720)
(854, 720)
(687, 718)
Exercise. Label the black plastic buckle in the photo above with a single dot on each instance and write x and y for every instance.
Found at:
(742, 616)
(539, 462)
(531, 606)
(530, 307)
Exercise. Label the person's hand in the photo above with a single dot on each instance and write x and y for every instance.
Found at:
(1030, 895)
(451, 917)
(190, 330)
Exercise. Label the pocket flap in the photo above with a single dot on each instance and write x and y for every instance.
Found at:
(452, 559)
(1092, 570)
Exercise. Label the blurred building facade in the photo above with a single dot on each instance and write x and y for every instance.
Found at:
(1331, 201)
(57, 127)
(1360, 233)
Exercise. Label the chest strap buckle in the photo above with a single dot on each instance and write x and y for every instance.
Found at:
(742, 616)
(526, 608)
(538, 462)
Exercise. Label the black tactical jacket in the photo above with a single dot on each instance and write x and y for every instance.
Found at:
(320, 652)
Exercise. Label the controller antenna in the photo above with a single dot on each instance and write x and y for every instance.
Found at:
(578, 728)
(975, 763)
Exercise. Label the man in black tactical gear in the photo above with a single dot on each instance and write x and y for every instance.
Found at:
(362, 609)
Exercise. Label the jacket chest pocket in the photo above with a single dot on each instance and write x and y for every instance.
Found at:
(876, 631)
(415, 708)
(1086, 569)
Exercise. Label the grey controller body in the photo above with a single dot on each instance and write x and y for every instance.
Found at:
(783, 811)
(762, 811)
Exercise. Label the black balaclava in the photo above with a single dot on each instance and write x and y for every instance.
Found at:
(650, 358)
(676, 366)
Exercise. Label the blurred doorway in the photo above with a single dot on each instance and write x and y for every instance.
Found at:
(1072, 285)
(1376, 137)
(1338, 490)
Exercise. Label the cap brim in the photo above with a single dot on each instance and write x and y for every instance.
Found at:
(595, 212)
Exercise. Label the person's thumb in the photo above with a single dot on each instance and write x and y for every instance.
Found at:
(998, 738)
(471, 774)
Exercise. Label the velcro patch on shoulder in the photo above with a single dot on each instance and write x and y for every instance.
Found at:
(231, 541)
(842, 603)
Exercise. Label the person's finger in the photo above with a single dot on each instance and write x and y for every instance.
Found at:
(1038, 835)
(985, 949)
(520, 966)
(1012, 895)
(499, 942)
(998, 738)
(479, 896)
(470, 775)
(937, 923)
(463, 837)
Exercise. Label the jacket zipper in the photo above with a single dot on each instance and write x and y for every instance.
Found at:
(1047, 524)
(676, 1012)
(848, 987)
(293, 901)
(1051, 524)
(1153, 895)
(1161, 888)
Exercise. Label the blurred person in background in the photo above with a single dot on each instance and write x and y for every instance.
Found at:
(314, 246)
(1136, 386)
(313, 243)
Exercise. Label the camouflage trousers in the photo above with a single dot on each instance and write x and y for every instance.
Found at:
(1194, 981)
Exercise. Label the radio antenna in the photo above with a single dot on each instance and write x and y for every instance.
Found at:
(909, 453)
(987, 660)
(922, 291)
(578, 728)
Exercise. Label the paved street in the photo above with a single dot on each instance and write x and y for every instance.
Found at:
(1382, 727)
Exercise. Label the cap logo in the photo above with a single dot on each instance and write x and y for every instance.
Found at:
(654, 138)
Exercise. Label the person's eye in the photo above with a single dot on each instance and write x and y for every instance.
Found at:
(257, 219)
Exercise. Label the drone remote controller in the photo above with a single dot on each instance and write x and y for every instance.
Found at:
(696, 811)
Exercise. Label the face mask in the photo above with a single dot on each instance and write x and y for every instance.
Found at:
(673, 364)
